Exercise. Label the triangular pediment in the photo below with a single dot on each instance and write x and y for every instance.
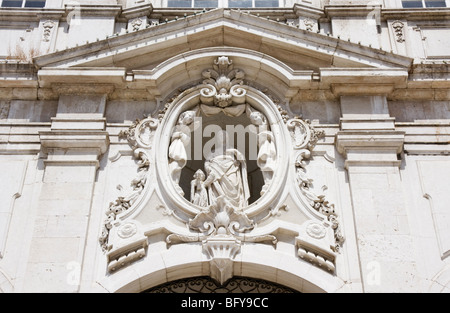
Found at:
(299, 49)
(162, 58)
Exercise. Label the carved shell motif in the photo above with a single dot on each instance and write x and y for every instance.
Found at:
(221, 218)
(224, 85)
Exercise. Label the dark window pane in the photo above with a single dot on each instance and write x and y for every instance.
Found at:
(179, 3)
(12, 3)
(412, 4)
(206, 3)
(266, 3)
(239, 3)
(435, 4)
(35, 4)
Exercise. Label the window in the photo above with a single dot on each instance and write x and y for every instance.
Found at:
(223, 3)
(23, 3)
(193, 3)
(423, 3)
(252, 3)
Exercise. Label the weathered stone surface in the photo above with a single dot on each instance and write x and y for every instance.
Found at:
(337, 179)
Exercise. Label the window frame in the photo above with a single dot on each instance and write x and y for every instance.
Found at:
(23, 4)
(447, 4)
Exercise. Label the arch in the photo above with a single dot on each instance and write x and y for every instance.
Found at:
(161, 251)
(259, 67)
(206, 284)
(259, 262)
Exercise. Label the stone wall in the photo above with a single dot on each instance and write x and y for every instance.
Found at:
(362, 132)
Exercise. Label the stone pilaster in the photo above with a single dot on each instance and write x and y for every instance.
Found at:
(372, 148)
(71, 152)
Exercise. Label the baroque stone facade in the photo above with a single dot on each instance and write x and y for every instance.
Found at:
(304, 144)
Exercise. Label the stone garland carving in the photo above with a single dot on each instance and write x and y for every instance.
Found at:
(139, 136)
(398, 30)
(304, 138)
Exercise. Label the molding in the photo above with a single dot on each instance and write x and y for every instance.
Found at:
(371, 76)
(72, 77)
(427, 149)
(74, 139)
(361, 89)
(320, 46)
(369, 148)
(137, 11)
(340, 10)
(29, 14)
(370, 139)
(94, 10)
(82, 89)
(308, 11)
(363, 81)
(416, 14)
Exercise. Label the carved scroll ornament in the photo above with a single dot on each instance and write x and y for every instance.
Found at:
(304, 138)
(223, 84)
(140, 137)
(218, 220)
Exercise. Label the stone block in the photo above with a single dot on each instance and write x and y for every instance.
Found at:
(73, 191)
(364, 107)
(67, 174)
(81, 106)
(55, 249)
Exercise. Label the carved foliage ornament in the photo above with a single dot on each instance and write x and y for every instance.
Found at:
(221, 223)
(304, 138)
(139, 136)
(221, 228)
(223, 84)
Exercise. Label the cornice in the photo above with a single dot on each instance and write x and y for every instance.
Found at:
(29, 14)
(282, 14)
(416, 14)
(413, 14)
(94, 10)
(137, 11)
(312, 42)
(350, 10)
(308, 11)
